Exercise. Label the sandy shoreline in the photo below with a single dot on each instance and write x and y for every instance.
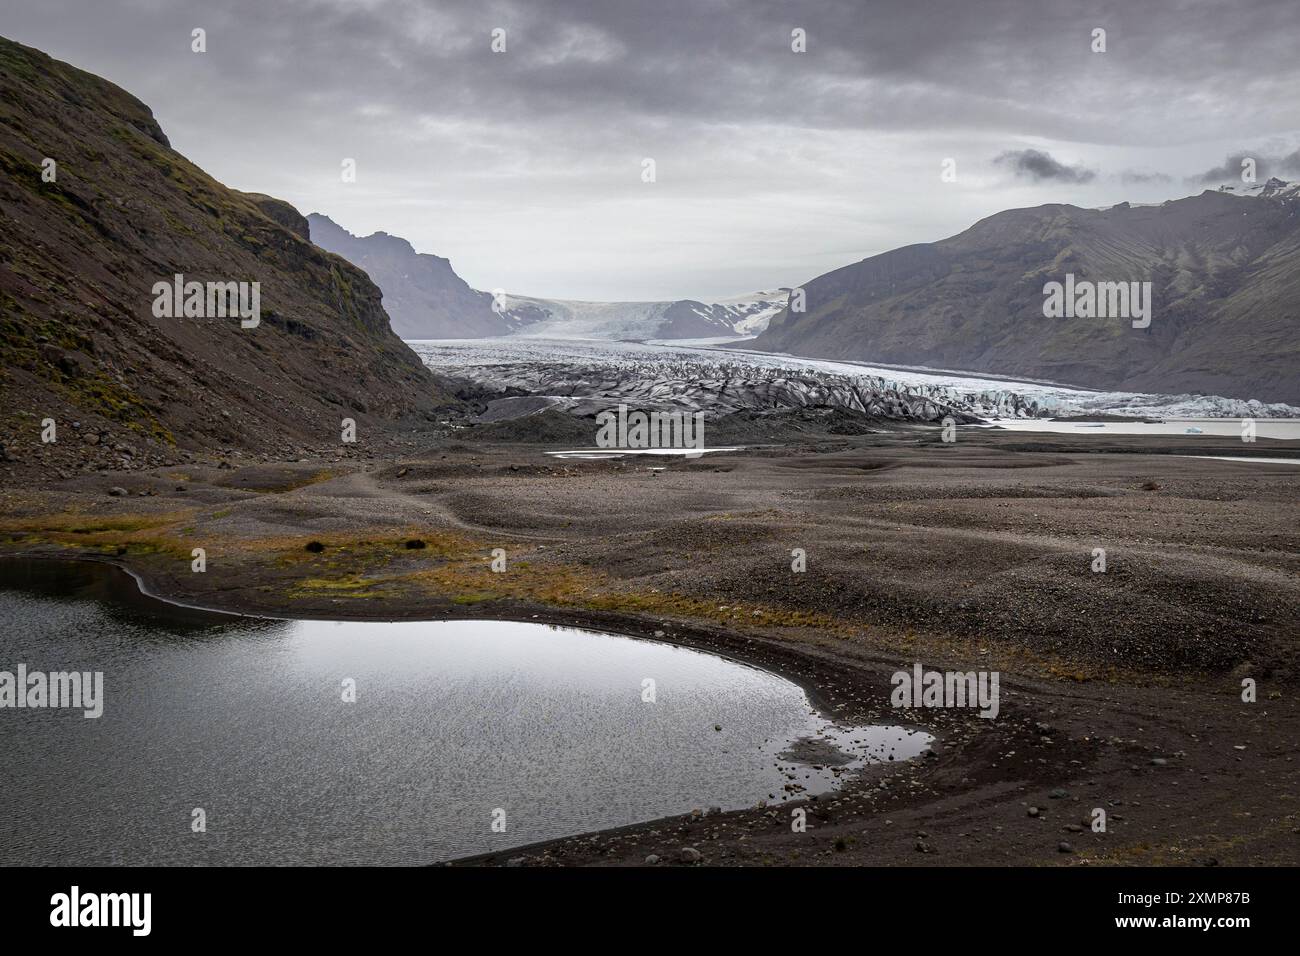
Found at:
(1121, 690)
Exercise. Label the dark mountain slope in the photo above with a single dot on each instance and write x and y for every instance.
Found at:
(78, 261)
(1225, 274)
(422, 294)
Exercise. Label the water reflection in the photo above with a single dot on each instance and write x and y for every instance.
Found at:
(248, 720)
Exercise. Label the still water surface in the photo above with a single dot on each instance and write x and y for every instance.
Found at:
(245, 718)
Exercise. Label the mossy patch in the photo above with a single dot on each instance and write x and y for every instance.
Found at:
(137, 534)
(352, 586)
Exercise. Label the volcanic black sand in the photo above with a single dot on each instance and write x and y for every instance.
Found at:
(1120, 690)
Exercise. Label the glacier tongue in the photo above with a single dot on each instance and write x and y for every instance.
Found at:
(588, 376)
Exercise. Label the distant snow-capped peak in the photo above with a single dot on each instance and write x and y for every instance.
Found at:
(1273, 188)
(742, 315)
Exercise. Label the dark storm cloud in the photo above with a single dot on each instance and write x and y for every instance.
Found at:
(1020, 64)
(1265, 165)
(1037, 165)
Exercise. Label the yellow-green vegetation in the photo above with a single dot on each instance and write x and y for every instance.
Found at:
(344, 296)
(348, 549)
(352, 586)
(96, 392)
(86, 388)
(457, 569)
(138, 534)
(20, 334)
(352, 567)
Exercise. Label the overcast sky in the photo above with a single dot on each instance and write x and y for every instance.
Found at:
(772, 167)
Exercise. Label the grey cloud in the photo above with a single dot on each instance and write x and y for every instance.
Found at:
(1231, 168)
(1037, 165)
(524, 166)
(1019, 65)
(1142, 177)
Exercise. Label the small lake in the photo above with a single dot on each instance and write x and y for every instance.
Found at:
(454, 725)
